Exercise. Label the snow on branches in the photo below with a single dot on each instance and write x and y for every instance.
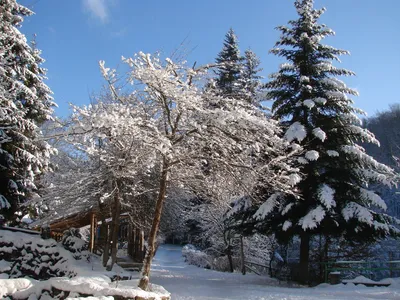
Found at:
(167, 124)
(25, 103)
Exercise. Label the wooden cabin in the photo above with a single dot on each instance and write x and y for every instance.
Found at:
(127, 233)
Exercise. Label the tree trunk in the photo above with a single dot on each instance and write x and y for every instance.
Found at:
(115, 227)
(229, 253)
(228, 250)
(243, 267)
(151, 247)
(325, 257)
(304, 257)
(106, 252)
(104, 235)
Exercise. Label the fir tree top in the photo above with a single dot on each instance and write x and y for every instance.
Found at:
(230, 67)
(309, 71)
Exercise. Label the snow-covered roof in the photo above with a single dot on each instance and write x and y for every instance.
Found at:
(59, 221)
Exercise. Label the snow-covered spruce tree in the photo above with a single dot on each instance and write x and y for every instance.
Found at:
(230, 68)
(314, 105)
(25, 102)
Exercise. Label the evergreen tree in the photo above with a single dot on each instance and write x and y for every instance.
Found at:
(314, 106)
(251, 78)
(229, 71)
(25, 102)
(237, 76)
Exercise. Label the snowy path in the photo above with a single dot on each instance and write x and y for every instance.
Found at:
(189, 282)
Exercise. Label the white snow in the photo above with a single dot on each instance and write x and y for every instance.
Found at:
(287, 66)
(267, 207)
(11, 286)
(355, 210)
(332, 153)
(312, 155)
(309, 103)
(187, 282)
(4, 266)
(22, 288)
(336, 95)
(294, 179)
(373, 198)
(313, 218)
(302, 160)
(320, 100)
(319, 133)
(296, 131)
(240, 204)
(304, 35)
(287, 208)
(304, 79)
(365, 280)
(333, 82)
(286, 225)
(326, 193)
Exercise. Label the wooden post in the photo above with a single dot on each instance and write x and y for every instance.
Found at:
(129, 240)
(134, 237)
(334, 277)
(135, 244)
(92, 231)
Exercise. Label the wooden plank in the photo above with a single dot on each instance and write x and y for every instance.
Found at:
(15, 229)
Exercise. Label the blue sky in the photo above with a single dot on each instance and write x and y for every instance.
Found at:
(74, 35)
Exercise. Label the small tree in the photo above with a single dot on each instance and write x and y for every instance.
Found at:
(314, 106)
(251, 79)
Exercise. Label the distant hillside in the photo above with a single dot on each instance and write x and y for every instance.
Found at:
(386, 127)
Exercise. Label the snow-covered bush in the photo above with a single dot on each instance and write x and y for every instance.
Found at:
(31, 256)
(201, 259)
(196, 257)
(73, 242)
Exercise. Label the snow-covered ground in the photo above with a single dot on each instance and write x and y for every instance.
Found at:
(189, 282)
